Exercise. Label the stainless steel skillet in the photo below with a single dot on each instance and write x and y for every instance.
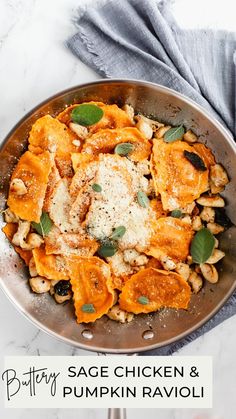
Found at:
(145, 332)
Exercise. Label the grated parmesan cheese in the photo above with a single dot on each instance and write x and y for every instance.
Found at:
(59, 208)
(115, 205)
(118, 266)
(67, 244)
(138, 230)
(77, 208)
(84, 174)
(135, 258)
(61, 264)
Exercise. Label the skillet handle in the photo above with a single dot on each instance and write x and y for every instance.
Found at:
(116, 413)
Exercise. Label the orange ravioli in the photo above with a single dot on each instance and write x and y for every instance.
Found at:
(80, 158)
(50, 266)
(9, 230)
(177, 180)
(49, 134)
(26, 255)
(119, 281)
(91, 285)
(161, 289)
(157, 207)
(113, 117)
(154, 263)
(64, 165)
(154, 175)
(34, 171)
(105, 141)
(172, 238)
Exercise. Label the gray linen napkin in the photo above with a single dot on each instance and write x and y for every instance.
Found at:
(140, 39)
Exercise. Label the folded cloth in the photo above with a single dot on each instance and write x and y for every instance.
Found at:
(140, 39)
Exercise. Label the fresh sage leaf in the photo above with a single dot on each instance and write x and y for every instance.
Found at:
(96, 187)
(44, 226)
(195, 160)
(142, 199)
(176, 213)
(143, 300)
(124, 149)
(107, 249)
(118, 233)
(202, 246)
(174, 134)
(88, 308)
(86, 114)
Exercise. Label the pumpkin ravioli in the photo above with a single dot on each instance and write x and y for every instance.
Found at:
(50, 266)
(113, 117)
(105, 140)
(48, 133)
(34, 171)
(91, 285)
(177, 180)
(160, 288)
(172, 238)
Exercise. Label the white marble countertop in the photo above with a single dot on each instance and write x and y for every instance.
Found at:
(34, 64)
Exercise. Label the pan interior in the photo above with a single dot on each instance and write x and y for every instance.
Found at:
(148, 331)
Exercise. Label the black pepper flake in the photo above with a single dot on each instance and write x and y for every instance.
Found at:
(195, 160)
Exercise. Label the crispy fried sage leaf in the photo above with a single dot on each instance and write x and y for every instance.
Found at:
(174, 134)
(196, 160)
(118, 233)
(143, 300)
(142, 198)
(44, 226)
(202, 246)
(88, 308)
(107, 248)
(177, 213)
(124, 149)
(86, 114)
(96, 187)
